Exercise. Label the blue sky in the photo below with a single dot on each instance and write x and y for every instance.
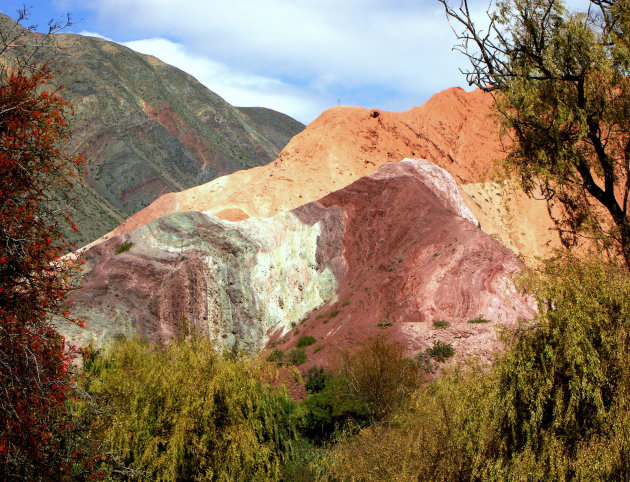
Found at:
(296, 56)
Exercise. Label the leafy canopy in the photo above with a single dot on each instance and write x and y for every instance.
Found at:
(562, 88)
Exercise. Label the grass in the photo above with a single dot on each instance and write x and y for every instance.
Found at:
(441, 324)
(479, 319)
(317, 348)
(345, 302)
(440, 351)
(305, 340)
(126, 246)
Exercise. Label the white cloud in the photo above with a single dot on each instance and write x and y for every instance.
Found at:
(362, 51)
(86, 33)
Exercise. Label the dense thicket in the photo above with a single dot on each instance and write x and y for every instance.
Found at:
(556, 406)
(184, 412)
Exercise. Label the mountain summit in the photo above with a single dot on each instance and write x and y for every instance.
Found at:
(147, 128)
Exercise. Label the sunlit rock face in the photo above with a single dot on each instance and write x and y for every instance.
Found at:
(385, 256)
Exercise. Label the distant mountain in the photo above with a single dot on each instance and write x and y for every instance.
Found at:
(146, 128)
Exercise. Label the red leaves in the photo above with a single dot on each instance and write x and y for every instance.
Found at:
(33, 366)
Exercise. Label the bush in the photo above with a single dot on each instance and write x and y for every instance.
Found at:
(123, 247)
(316, 379)
(305, 340)
(440, 351)
(185, 413)
(297, 356)
(441, 324)
(478, 319)
(276, 355)
(379, 376)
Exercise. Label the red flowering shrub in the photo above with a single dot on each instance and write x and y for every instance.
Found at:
(34, 382)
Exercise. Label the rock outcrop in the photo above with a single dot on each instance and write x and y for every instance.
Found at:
(454, 129)
(390, 253)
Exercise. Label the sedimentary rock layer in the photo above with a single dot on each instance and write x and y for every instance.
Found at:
(388, 254)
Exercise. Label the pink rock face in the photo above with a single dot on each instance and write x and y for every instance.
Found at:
(389, 255)
(412, 260)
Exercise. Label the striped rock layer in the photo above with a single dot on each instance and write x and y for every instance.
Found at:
(387, 255)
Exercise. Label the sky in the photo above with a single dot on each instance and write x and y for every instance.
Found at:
(298, 57)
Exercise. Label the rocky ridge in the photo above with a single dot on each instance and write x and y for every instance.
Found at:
(146, 128)
(390, 253)
(454, 129)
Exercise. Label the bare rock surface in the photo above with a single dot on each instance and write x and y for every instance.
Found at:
(388, 254)
(455, 130)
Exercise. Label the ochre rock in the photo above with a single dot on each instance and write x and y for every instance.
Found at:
(455, 130)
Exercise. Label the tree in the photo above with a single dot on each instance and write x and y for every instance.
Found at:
(561, 83)
(33, 276)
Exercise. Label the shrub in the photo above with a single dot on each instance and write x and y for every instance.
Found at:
(184, 413)
(379, 377)
(316, 379)
(478, 319)
(334, 313)
(440, 351)
(305, 340)
(441, 324)
(345, 302)
(123, 247)
(297, 356)
(276, 355)
(317, 348)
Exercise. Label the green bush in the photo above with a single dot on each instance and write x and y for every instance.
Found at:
(185, 413)
(121, 248)
(316, 379)
(441, 324)
(305, 340)
(297, 356)
(440, 351)
(276, 355)
(478, 319)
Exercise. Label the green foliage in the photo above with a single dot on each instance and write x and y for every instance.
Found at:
(276, 355)
(440, 351)
(565, 382)
(384, 324)
(316, 379)
(334, 313)
(379, 376)
(305, 340)
(317, 348)
(345, 302)
(297, 356)
(123, 247)
(184, 413)
(441, 324)
(564, 99)
(328, 412)
(478, 319)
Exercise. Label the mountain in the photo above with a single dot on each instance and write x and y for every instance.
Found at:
(390, 253)
(454, 129)
(146, 128)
